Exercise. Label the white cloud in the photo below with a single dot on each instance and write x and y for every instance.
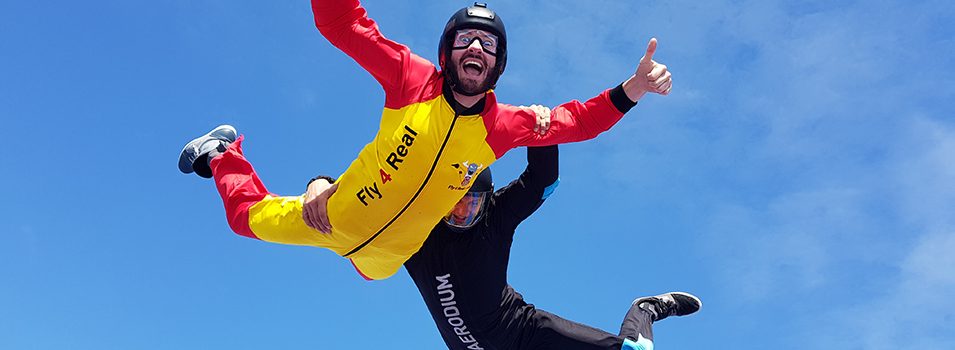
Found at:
(918, 313)
(793, 245)
(803, 246)
(926, 172)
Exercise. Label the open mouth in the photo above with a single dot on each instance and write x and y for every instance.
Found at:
(472, 66)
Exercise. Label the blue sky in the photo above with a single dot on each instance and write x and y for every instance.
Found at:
(800, 178)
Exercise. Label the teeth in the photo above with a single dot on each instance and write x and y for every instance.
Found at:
(477, 64)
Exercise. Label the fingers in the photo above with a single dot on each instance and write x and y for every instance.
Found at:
(308, 207)
(659, 80)
(651, 49)
(545, 126)
(542, 122)
(307, 215)
(322, 222)
(658, 77)
(321, 212)
(660, 84)
(657, 72)
(310, 215)
(314, 202)
(665, 88)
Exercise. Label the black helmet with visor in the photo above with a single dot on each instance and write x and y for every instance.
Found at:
(478, 17)
(470, 209)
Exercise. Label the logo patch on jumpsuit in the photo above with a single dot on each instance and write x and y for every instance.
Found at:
(467, 170)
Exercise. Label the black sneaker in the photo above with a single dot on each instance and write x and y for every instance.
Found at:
(669, 304)
(194, 155)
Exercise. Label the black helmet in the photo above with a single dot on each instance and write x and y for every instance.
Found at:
(473, 17)
(470, 209)
(483, 182)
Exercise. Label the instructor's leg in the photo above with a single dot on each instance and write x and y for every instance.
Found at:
(549, 331)
(637, 324)
(637, 328)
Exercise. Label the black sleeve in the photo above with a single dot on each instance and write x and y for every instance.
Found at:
(519, 199)
(620, 99)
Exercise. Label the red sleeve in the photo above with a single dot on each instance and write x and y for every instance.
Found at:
(346, 25)
(570, 122)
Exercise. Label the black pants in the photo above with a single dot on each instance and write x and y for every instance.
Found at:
(548, 331)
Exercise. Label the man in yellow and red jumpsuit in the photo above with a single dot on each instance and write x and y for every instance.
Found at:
(438, 129)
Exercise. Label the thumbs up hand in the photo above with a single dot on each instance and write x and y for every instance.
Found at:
(650, 76)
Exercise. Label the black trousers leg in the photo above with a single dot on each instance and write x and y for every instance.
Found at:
(637, 322)
(549, 331)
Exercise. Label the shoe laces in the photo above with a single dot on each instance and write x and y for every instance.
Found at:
(659, 308)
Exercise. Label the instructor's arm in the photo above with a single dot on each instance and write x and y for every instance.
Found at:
(523, 196)
(315, 202)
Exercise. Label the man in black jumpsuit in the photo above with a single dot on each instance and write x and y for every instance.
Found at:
(461, 272)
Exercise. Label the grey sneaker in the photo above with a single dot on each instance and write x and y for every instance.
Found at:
(194, 155)
(669, 304)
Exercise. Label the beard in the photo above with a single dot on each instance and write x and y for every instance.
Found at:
(468, 85)
(471, 87)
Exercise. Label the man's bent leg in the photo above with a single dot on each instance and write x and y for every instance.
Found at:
(253, 211)
(238, 185)
(195, 155)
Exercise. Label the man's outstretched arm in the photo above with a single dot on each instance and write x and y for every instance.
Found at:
(578, 121)
(346, 24)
